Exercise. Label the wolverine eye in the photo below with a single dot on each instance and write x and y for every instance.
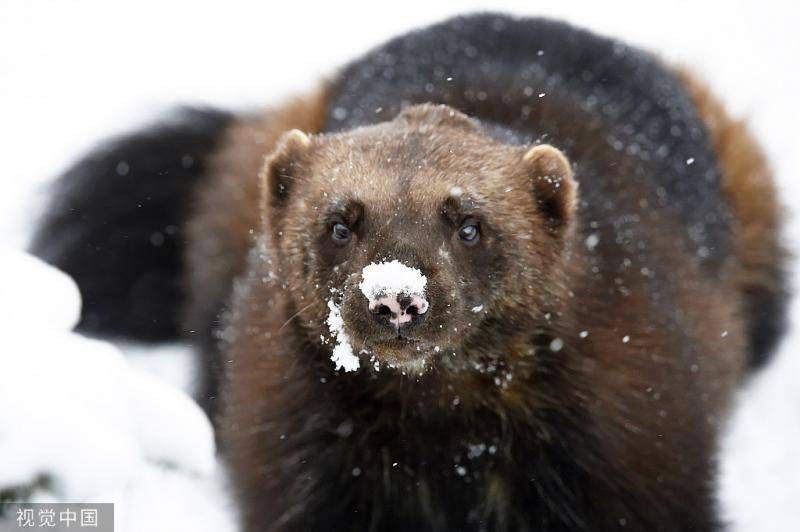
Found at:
(341, 234)
(469, 233)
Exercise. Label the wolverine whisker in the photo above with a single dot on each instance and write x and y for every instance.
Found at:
(296, 314)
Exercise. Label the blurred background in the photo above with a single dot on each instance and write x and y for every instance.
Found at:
(72, 73)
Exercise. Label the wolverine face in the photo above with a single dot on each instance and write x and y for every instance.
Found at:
(400, 241)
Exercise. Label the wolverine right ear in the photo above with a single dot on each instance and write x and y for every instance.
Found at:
(280, 168)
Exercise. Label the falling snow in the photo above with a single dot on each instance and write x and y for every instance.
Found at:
(760, 464)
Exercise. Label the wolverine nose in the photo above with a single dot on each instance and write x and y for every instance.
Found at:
(398, 310)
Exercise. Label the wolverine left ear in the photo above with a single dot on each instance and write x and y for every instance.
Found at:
(554, 189)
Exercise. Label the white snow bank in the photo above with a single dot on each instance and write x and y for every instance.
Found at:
(35, 295)
(74, 411)
(158, 500)
(176, 364)
(760, 465)
(394, 277)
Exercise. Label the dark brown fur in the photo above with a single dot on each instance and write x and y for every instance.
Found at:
(619, 395)
(615, 430)
(222, 228)
(751, 191)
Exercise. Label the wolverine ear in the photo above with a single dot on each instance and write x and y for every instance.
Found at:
(280, 168)
(554, 189)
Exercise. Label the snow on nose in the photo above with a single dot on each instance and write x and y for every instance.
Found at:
(396, 292)
(394, 277)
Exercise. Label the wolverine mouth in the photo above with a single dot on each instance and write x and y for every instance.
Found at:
(400, 341)
(403, 352)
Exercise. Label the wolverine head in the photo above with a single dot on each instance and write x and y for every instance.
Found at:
(399, 242)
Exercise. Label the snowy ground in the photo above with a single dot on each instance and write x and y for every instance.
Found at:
(74, 72)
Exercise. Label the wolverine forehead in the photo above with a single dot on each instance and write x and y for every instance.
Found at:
(381, 177)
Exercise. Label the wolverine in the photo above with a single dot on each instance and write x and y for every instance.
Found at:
(498, 274)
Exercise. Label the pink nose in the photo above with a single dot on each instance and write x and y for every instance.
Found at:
(395, 310)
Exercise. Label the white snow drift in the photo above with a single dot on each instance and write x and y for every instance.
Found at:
(74, 412)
